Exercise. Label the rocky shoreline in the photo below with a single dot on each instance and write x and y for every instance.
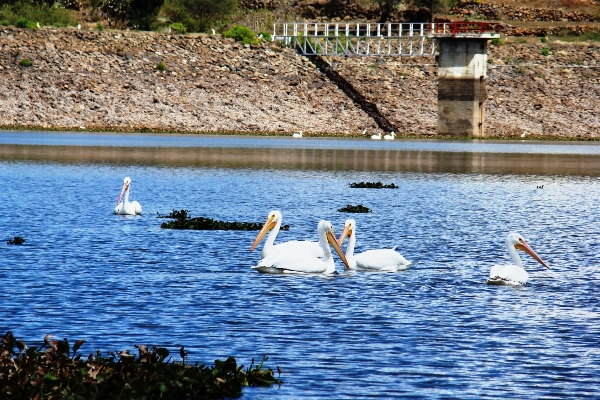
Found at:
(109, 81)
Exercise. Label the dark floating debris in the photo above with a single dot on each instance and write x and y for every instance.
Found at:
(57, 370)
(372, 185)
(182, 220)
(355, 209)
(540, 187)
(16, 240)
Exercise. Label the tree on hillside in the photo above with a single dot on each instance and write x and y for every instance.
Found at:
(387, 8)
(199, 15)
(135, 13)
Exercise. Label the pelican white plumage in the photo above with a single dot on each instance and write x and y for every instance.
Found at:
(273, 224)
(376, 136)
(297, 134)
(302, 263)
(125, 207)
(371, 260)
(513, 274)
(390, 136)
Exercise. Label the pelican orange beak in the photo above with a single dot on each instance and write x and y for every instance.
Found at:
(525, 247)
(347, 232)
(337, 248)
(123, 189)
(270, 224)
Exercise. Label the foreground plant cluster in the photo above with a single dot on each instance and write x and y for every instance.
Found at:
(55, 371)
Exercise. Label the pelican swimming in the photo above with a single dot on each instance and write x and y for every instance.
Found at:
(302, 263)
(125, 207)
(509, 274)
(273, 224)
(371, 260)
(376, 136)
(390, 136)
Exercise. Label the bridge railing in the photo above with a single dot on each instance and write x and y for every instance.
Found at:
(369, 39)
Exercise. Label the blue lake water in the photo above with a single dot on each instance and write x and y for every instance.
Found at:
(434, 331)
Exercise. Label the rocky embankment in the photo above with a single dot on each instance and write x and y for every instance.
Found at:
(110, 81)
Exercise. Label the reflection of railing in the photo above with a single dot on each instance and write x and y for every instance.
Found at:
(366, 39)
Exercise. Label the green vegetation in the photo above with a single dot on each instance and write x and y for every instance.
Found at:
(521, 70)
(199, 15)
(56, 370)
(26, 14)
(99, 26)
(178, 27)
(507, 60)
(543, 39)
(161, 66)
(545, 51)
(4, 22)
(568, 36)
(241, 34)
(182, 220)
(26, 62)
(497, 42)
(265, 35)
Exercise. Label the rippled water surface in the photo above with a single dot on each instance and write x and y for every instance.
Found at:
(434, 331)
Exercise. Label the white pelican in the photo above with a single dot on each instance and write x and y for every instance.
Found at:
(376, 136)
(390, 136)
(509, 274)
(125, 207)
(269, 249)
(371, 260)
(302, 263)
(297, 134)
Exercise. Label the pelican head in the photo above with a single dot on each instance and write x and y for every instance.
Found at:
(349, 228)
(125, 187)
(517, 242)
(272, 220)
(326, 228)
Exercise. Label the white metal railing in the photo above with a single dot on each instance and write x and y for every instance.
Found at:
(360, 38)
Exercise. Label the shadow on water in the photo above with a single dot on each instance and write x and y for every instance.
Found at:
(314, 159)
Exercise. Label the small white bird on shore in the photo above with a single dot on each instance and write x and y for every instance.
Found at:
(78, 27)
(364, 132)
(376, 136)
(390, 136)
(37, 24)
(213, 31)
(297, 134)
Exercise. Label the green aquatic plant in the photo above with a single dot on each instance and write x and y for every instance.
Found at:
(56, 370)
(373, 185)
(355, 209)
(16, 240)
(182, 220)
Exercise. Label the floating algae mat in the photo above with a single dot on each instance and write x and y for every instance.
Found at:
(182, 220)
(355, 209)
(372, 185)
